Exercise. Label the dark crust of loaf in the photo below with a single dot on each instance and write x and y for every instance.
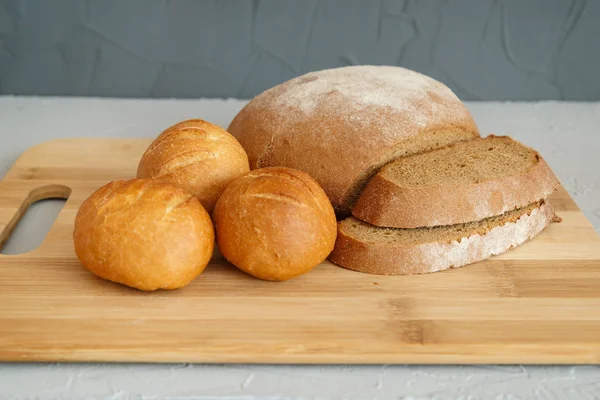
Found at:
(339, 145)
(389, 258)
(385, 203)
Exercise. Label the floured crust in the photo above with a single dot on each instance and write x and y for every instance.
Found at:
(341, 125)
(385, 203)
(389, 258)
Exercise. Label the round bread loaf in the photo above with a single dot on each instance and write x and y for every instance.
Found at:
(143, 233)
(275, 223)
(197, 156)
(341, 125)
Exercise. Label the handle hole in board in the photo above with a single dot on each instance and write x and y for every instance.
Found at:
(33, 220)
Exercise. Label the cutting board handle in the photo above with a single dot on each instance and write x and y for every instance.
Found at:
(15, 200)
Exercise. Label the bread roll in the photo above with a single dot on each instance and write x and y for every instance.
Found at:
(196, 156)
(144, 234)
(275, 223)
(341, 125)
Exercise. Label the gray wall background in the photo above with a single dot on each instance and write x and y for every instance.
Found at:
(484, 50)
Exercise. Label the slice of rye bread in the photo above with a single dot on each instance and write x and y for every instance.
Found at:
(464, 182)
(392, 251)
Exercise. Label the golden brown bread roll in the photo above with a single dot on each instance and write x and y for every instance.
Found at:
(197, 156)
(144, 234)
(275, 223)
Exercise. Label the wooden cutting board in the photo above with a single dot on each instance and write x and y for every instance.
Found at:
(539, 303)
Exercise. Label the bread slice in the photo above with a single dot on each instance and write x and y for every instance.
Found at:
(464, 182)
(391, 251)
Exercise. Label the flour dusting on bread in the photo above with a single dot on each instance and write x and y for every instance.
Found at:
(399, 89)
(341, 125)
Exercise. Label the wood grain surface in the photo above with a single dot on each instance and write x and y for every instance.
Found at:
(539, 303)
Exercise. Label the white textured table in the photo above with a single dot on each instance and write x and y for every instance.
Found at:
(568, 136)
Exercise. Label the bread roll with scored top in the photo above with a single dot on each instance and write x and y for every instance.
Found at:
(391, 251)
(341, 125)
(464, 182)
(144, 234)
(197, 156)
(275, 223)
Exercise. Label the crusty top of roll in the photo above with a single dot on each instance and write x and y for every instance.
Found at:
(340, 125)
(197, 156)
(143, 233)
(275, 223)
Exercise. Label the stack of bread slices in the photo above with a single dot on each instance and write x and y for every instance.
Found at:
(447, 208)
(415, 186)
